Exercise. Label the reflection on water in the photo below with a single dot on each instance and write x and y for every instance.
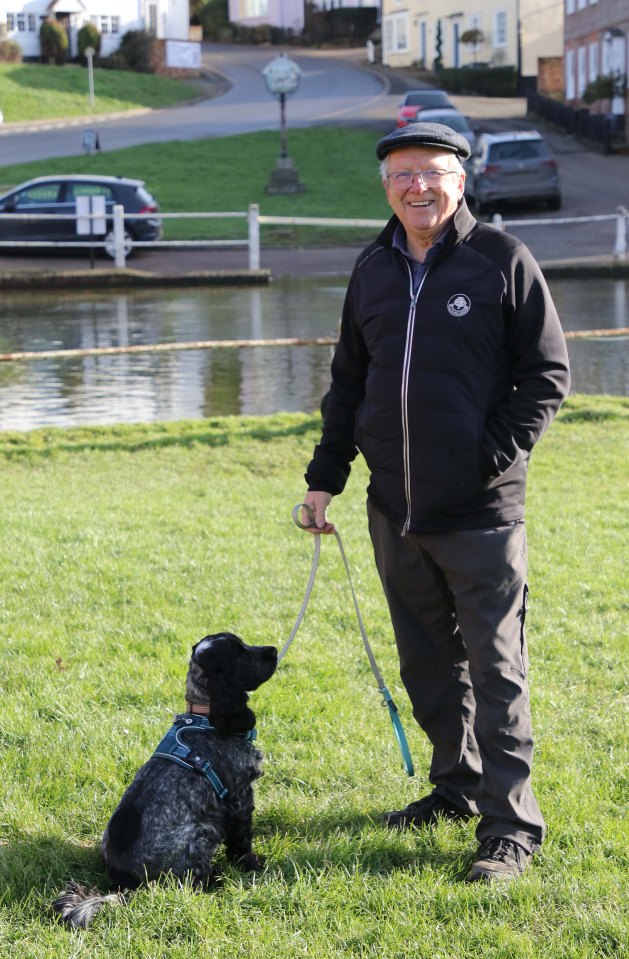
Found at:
(143, 387)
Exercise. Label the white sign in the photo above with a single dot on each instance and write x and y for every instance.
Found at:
(183, 55)
(90, 215)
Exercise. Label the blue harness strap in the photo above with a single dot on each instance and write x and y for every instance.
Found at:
(173, 748)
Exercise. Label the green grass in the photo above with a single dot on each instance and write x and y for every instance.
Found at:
(37, 92)
(338, 167)
(123, 546)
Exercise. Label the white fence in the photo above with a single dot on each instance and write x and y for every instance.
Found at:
(118, 245)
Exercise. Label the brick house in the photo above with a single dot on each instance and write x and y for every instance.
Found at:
(596, 44)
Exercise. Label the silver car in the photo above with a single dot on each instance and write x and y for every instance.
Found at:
(512, 167)
(450, 118)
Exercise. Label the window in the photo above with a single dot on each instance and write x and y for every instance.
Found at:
(388, 35)
(581, 4)
(88, 189)
(593, 64)
(401, 34)
(581, 70)
(500, 28)
(21, 22)
(115, 24)
(570, 7)
(32, 23)
(10, 21)
(44, 193)
(104, 24)
(570, 87)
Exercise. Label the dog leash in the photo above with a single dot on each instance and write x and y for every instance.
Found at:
(386, 695)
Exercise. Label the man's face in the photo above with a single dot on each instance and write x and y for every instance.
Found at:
(423, 210)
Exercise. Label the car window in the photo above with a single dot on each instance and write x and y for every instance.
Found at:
(419, 99)
(43, 193)
(521, 150)
(88, 189)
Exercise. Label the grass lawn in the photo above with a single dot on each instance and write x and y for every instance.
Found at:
(37, 92)
(338, 167)
(121, 547)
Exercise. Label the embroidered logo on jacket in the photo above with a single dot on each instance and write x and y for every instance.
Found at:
(459, 305)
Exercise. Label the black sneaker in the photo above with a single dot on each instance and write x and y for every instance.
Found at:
(424, 812)
(498, 859)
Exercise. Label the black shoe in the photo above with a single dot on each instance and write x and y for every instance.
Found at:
(498, 859)
(424, 812)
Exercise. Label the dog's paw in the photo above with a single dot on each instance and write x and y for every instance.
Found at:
(251, 862)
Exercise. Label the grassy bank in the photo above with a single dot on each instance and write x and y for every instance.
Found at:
(338, 167)
(38, 92)
(123, 546)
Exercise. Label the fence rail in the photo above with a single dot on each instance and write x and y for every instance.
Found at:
(118, 246)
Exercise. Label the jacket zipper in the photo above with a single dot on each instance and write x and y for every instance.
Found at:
(406, 369)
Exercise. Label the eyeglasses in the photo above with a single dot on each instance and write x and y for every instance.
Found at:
(428, 178)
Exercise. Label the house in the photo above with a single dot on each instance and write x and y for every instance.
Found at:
(169, 20)
(596, 45)
(284, 14)
(508, 32)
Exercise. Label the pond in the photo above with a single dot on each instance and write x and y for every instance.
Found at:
(145, 387)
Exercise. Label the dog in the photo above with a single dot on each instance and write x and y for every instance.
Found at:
(195, 792)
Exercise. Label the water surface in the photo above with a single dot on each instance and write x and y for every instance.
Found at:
(145, 387)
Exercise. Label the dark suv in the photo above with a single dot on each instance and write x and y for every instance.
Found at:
(59, 194)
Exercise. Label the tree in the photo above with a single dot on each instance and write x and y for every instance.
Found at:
(605, 87)
(438, 61)
(53, 42)
(473, 38)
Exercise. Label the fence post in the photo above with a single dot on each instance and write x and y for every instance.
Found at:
(119, 252)
(620, 249)
(497, 221)
(254, 236)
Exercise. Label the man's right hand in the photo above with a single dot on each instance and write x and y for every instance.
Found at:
(318, 501)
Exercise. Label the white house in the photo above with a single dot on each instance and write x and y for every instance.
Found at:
(168, 19)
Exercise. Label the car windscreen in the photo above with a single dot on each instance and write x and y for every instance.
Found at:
(520, 150)
(457, 123)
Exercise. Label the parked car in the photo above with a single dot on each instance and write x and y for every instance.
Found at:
(58, 194)
(414, 100)
(514, 167)
(450, 118)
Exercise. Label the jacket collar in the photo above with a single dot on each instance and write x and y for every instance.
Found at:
(461, 226)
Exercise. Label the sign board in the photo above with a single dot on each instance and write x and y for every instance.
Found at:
(90, 141)
(90, 216)
(183, 55)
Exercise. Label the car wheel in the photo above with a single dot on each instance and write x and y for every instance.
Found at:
(555, 203)
(128, 239)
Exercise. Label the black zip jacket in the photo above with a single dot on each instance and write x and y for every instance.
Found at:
(445, 389)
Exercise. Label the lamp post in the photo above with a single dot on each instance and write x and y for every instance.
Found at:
(282, 78)
(89, 53)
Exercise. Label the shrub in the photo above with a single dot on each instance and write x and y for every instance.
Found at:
(88, 36)
(10, 51)
(136, 51)
(483, 81)
(53, 41)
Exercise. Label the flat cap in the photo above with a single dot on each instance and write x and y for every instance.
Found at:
(424, 135)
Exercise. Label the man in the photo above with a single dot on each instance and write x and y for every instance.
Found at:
(450, 365)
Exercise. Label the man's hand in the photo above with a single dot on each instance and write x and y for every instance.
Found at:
(318, 501)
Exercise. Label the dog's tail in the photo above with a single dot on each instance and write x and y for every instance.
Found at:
(78, 905)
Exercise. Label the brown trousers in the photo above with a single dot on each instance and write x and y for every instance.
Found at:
(458, 602)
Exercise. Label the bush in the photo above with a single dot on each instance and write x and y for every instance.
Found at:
(88, 36)
(482, 81)
(10, 51)
(53, 41)
(136, 51)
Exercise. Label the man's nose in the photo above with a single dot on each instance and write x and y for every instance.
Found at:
(417, 183)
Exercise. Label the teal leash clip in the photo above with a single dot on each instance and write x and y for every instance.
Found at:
(394, 715)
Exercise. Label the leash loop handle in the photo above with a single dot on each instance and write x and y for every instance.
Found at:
(388, 699)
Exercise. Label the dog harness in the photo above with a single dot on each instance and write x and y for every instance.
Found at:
(173, 748)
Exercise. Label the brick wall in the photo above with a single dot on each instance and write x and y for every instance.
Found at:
(550, 76)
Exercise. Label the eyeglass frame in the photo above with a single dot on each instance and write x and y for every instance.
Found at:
(399, 177)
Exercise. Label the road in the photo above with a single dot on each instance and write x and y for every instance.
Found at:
(338, 87)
